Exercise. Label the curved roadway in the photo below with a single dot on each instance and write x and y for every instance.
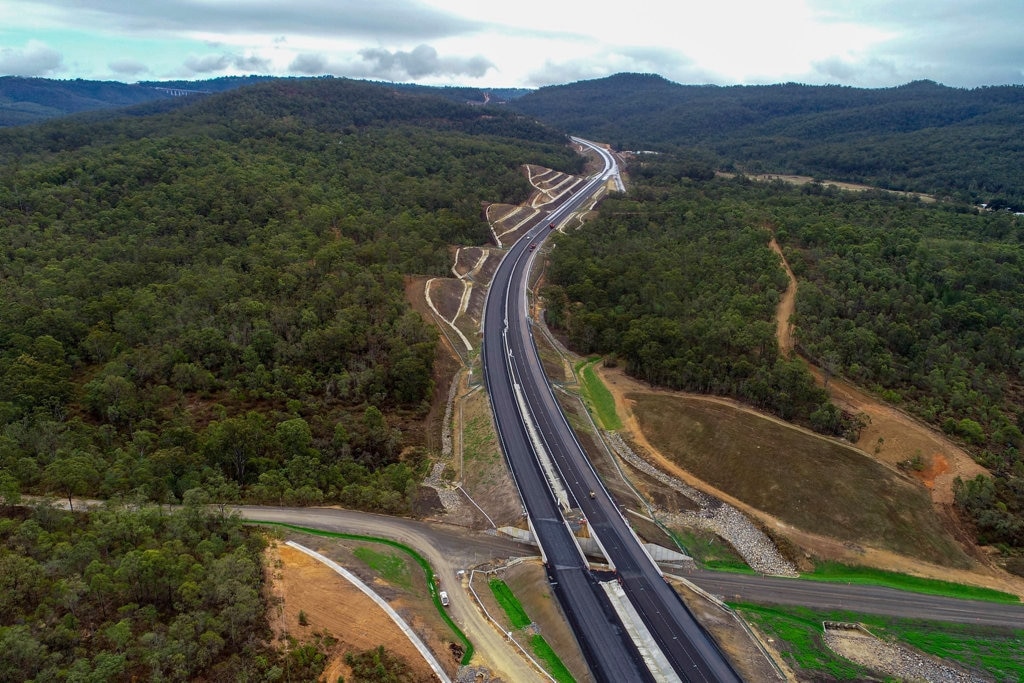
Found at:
(450, 548)
(520, 394)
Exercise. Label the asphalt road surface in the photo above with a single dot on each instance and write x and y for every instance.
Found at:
(451, 548)
(519, 393)
(772, 590)
(606, 646)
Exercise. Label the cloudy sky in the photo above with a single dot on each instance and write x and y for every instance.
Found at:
(526, 43)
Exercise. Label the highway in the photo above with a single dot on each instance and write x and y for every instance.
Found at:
(606, 646)
(521, 396)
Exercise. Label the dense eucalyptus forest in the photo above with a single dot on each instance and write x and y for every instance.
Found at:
(212, 296)
(676, 281)
(925, 137)
(918, 302)
(136, 594)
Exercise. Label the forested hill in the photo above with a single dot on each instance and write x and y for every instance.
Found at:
(213, 298)
(921, 136)
(33, 100)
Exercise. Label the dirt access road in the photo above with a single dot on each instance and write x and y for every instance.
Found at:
(891, 436)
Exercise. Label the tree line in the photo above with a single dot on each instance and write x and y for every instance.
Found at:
(676, 281)
(131, 593)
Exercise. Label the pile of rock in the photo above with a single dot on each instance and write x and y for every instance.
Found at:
(892, 659)
(450, 497)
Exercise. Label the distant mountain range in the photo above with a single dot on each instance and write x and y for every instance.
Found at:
(31, 100)
(920, 136)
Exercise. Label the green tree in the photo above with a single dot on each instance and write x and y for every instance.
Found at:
(72, 474)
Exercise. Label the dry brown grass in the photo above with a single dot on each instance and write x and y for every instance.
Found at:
(808, 482)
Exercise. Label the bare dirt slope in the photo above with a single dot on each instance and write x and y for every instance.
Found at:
(621, 385)
(332, 605)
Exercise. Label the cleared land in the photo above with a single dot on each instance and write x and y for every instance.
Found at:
(808, 482)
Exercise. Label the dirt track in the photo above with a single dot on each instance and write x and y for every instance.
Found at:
(891, 436)
(784, 311)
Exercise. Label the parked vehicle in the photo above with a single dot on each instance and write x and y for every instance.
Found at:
(444, 598)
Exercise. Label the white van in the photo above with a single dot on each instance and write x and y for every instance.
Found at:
(444, 598)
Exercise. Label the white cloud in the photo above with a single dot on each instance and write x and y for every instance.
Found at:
(251, 63)
(212, 63)
(376, 19)
(128, 67)
(309, 64)
(423, 61)
(205, 64)
(34, 59)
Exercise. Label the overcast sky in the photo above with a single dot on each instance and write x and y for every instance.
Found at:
(526, 43)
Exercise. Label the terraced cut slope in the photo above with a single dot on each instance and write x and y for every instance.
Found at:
(803, 480)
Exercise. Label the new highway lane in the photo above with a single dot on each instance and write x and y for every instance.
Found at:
(524, 406)
(606, 646)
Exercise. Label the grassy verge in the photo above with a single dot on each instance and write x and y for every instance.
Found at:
(391, 567)
(513, 608)
(804, 645)
(428, 572)
(518, 617)
(554, 665)
(841, 573)
(711, 552)
(996, 651)
(595, 394)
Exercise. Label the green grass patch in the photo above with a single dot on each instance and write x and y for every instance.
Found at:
(391, 567)
(428, 573)
(510, 603)
(804, 645)
(596, 396)
(998, 652)
(519, 619)
(841, 573)
(478, 441)
(711, 552)
(551, 661)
